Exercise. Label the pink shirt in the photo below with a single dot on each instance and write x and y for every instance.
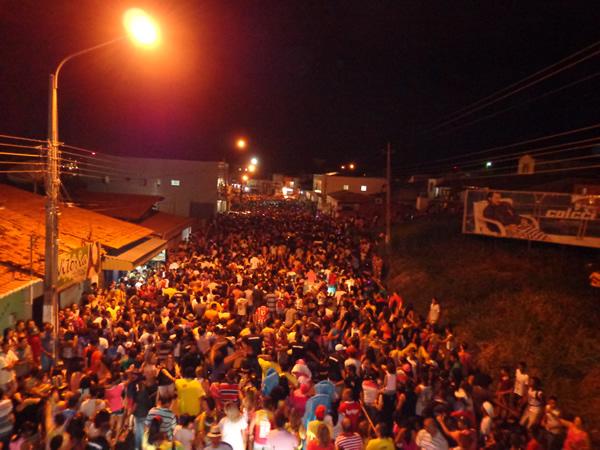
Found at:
(113, 397)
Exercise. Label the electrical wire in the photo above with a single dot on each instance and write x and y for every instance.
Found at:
(21, 138)
(30, 155)
(565, 169)
(526, 102)
(5, 144)
(513, 89)
(552, 149)
(515, 144)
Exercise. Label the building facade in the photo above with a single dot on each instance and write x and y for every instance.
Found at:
(189, 188)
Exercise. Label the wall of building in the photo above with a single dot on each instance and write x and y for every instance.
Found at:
(17, 305)
(328, 184)
(190, 188)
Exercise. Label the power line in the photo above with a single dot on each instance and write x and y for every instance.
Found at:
(29, 155)
(565, 169)
(526, 102)
(21, 138)
(515, 144)
(551, 149)
(23, 163)
(5, 144)
(502, 93)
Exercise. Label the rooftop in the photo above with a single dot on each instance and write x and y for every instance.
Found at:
(22, 227)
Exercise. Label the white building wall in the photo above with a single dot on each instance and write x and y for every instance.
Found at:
(180, 182)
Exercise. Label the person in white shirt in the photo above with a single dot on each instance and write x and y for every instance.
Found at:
(434, 312)
(279, 438)
(8, 358)
(185, 432)
(521, 385)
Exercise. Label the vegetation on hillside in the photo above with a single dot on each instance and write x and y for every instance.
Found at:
(511, 303)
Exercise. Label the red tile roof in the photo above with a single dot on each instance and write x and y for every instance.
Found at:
(22, 216)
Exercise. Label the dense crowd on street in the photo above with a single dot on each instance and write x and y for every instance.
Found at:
(270, 329)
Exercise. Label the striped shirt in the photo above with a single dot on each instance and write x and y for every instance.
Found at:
(351, 441)
(229, 392)
(167, 419)
(6, 426)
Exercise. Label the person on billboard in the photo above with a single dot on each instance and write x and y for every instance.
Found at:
(502, 211)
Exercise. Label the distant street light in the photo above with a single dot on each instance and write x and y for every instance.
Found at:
(343, 167)
(251, 168)
(254, 161)
(143, 31)
(351, 166)
(245, 178)
(241, 143)
(488, 164)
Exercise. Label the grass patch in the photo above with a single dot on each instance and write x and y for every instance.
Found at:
(511, 303)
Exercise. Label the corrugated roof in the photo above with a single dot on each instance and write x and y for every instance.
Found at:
(166, 225)
(23, 216)
(13, 280)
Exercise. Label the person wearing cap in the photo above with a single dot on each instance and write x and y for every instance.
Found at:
(320, 418)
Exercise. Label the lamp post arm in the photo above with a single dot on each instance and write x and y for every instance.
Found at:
(83, 52)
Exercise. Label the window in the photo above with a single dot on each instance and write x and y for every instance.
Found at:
(363, 188)
(346, 187)
(175, 183)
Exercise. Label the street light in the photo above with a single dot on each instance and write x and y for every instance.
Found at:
(251, 168)
(143, 31)
(254, 161)
(241, 143)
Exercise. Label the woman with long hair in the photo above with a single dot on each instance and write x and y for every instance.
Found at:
(323, 440)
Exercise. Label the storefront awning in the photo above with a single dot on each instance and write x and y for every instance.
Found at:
(136, 256)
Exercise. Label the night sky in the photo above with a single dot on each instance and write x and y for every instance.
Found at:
(312, 83)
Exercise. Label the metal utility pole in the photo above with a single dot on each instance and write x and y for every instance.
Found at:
(388, 197)
(52, 189)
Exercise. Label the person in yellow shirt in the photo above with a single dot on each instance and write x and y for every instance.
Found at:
(212, 313)
(383, 441)
(189, 392)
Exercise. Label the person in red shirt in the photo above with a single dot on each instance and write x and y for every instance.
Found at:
(323, 440)
(350, 408)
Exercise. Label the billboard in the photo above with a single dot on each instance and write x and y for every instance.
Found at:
(569, 219)
(79, 264)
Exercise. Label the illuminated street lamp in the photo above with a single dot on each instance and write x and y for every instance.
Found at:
(245, 178)
(144, 32)
(241, 143)
(251, 168)
(254, 161)
(351, 166)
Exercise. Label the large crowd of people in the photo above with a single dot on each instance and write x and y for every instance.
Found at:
(269, 330)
